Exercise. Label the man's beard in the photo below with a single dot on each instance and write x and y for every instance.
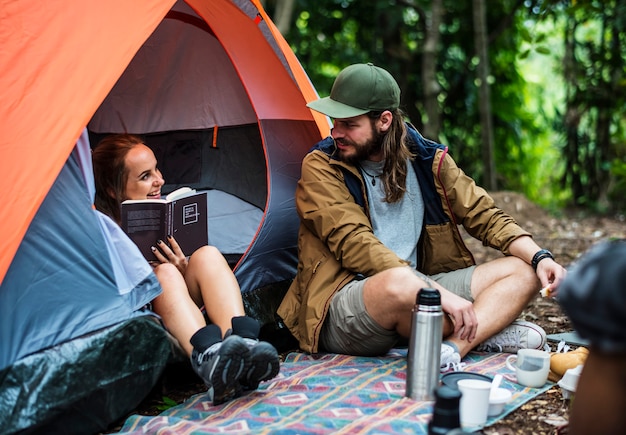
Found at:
(364, 151)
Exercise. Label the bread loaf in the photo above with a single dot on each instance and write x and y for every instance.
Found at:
(561, 361)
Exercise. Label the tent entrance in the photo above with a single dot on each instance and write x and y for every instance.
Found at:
(229, 164)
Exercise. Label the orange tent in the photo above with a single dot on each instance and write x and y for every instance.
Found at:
(54, 77)
(74, 70)
(58, 62)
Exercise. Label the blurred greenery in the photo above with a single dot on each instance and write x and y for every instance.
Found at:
(166, 403)
(557, 79)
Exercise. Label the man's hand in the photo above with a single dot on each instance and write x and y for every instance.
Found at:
(551, 274)
(461, 313)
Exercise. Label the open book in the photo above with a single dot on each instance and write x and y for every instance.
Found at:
(181, 214)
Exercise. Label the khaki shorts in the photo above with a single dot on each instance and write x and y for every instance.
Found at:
(349, 329)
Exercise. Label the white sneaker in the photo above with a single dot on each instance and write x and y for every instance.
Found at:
(518, 335)
(450, 359)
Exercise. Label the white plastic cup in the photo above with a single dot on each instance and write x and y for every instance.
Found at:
(569, 381)
(474, 403)
(531, 367)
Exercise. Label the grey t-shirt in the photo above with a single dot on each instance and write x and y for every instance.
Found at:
(399, 225)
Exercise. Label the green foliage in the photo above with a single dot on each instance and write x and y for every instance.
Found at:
(592, 119)
(166, 404)
(528, 91)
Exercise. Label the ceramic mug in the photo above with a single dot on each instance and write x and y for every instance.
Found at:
(531, 366)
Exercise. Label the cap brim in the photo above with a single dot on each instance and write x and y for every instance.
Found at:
(335, 109)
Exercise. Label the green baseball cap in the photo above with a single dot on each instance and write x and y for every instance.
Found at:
(359, 89)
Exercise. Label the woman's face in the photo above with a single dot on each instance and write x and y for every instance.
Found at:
(144, 179)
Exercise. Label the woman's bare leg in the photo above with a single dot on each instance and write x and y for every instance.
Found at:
(212, 283)
(180, 314)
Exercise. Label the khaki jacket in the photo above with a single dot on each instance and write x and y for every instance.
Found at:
(336, 241)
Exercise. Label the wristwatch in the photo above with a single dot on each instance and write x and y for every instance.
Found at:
(540, 255)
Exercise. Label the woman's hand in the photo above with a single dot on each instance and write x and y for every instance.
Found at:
(171, 254)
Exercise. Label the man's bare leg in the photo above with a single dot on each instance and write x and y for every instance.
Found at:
(390, 296)
(501, 289)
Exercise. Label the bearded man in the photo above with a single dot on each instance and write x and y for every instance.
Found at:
(379, 207)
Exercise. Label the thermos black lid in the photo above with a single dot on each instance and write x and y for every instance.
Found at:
(447, 397)
(428, 296)
(446, 416)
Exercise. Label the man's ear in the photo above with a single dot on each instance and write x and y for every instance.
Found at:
(385, 120)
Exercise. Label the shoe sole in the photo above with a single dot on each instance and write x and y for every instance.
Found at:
(233, 362)
(264, 365)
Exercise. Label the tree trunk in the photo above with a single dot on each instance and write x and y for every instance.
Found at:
(283, 15)
(606, 107)
(571, 121)
(484, 94)
(432, 123)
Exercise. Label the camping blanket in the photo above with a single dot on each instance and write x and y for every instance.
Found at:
(325, 393)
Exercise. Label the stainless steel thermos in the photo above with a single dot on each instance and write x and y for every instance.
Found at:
(424, 352)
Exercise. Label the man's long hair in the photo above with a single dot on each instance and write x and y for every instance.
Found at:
(396, 154)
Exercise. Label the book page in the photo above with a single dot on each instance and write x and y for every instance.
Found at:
(180, 193)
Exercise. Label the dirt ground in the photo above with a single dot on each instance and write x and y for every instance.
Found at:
(568, 236)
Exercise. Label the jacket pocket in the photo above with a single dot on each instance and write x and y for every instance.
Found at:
(443, 250)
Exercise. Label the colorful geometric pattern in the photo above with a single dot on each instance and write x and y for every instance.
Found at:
(323, 394)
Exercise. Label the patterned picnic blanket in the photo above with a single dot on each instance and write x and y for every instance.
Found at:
(325, 393)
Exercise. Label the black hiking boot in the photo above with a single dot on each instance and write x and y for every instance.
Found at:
(264, 364)
(222, 366)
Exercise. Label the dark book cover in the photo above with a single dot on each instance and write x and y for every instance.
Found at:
(182, 214)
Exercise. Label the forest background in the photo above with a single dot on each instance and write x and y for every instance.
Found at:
(529, 95)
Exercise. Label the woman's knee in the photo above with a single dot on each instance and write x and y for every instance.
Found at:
(208, 256)
(171, 280)
(166, 272)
